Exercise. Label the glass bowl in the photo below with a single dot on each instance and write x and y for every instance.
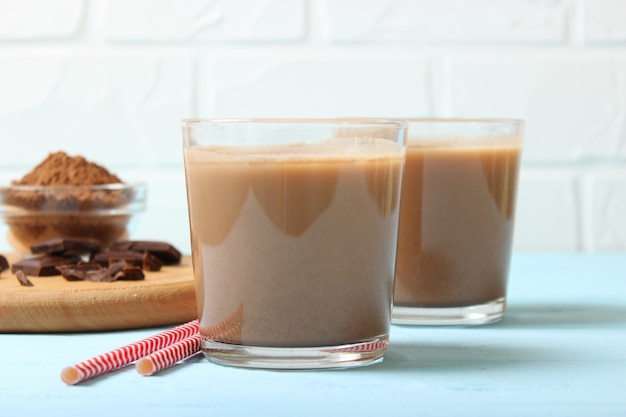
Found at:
(104, 212)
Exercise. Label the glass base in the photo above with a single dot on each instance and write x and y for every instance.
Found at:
(326, 357)
(449, 316)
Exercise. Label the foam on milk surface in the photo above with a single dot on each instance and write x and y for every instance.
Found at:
(450, 143)
(353, 149)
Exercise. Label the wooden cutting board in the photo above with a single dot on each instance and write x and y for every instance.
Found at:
(54, 304)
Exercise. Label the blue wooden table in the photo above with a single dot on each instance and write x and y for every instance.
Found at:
(559, 351)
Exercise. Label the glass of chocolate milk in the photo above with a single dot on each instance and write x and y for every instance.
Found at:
(294, 229)
(456, 221)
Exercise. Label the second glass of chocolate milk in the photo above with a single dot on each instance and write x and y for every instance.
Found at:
(456, 221)
(293, 232)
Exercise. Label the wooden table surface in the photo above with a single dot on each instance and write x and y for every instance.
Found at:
(559, 351)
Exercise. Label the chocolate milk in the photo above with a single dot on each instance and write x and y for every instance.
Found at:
(456, 223)
(294, 246)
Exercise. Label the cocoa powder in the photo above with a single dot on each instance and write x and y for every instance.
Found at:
(61, 169)
(67, 196)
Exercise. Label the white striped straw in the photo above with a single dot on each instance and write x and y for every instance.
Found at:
(126, 354)
(166, 357)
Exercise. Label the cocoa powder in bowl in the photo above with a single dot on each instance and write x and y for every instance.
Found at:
(61, 169)
(68, 196)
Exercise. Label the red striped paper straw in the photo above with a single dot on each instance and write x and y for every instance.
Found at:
(126, 354)
(366, 347)
(166, 357)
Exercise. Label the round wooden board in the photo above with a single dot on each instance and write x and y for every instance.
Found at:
(54, 304)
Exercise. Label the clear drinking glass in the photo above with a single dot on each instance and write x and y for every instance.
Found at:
(293, 232)
(456, 221)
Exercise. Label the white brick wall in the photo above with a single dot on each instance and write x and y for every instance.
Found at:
(202, 20)
(604, 20)
(40, 20)
(493, 21)
(111, 79)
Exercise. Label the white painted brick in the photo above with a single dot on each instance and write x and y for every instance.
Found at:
(39, 19)
(119, 110)
(574, 107)
(165, 217)
(202, 20)
(605, 20)
(447, 20)
(5, 247)
(547, 216)
(320, 86)
(609, 211)
(621, 122)
(6, 175)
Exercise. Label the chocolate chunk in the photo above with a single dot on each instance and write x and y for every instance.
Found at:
(93, 271)
(109, 274)
(117, 271)
(79, 271)
(151, 262)
(131, 273)
(107, 258)
(4, 263)
(143, 260)
(64, 246)
(23, 279)
(167, 253)
(43, 266)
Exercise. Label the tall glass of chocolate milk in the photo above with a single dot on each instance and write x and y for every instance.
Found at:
(456, 221)
(294, 229)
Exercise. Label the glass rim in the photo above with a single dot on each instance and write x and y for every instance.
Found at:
(469, 120)
(351, 121)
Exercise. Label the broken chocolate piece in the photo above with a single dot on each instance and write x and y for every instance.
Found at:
(131, 273)
(145, 260)
(151, 262)
(66, 246)
(43, 266)
(124, 272)
(167, 253)
(109, 274)
(23, 279)
(79, 271)
(4, 263)
(109, 257)
(93, 271)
